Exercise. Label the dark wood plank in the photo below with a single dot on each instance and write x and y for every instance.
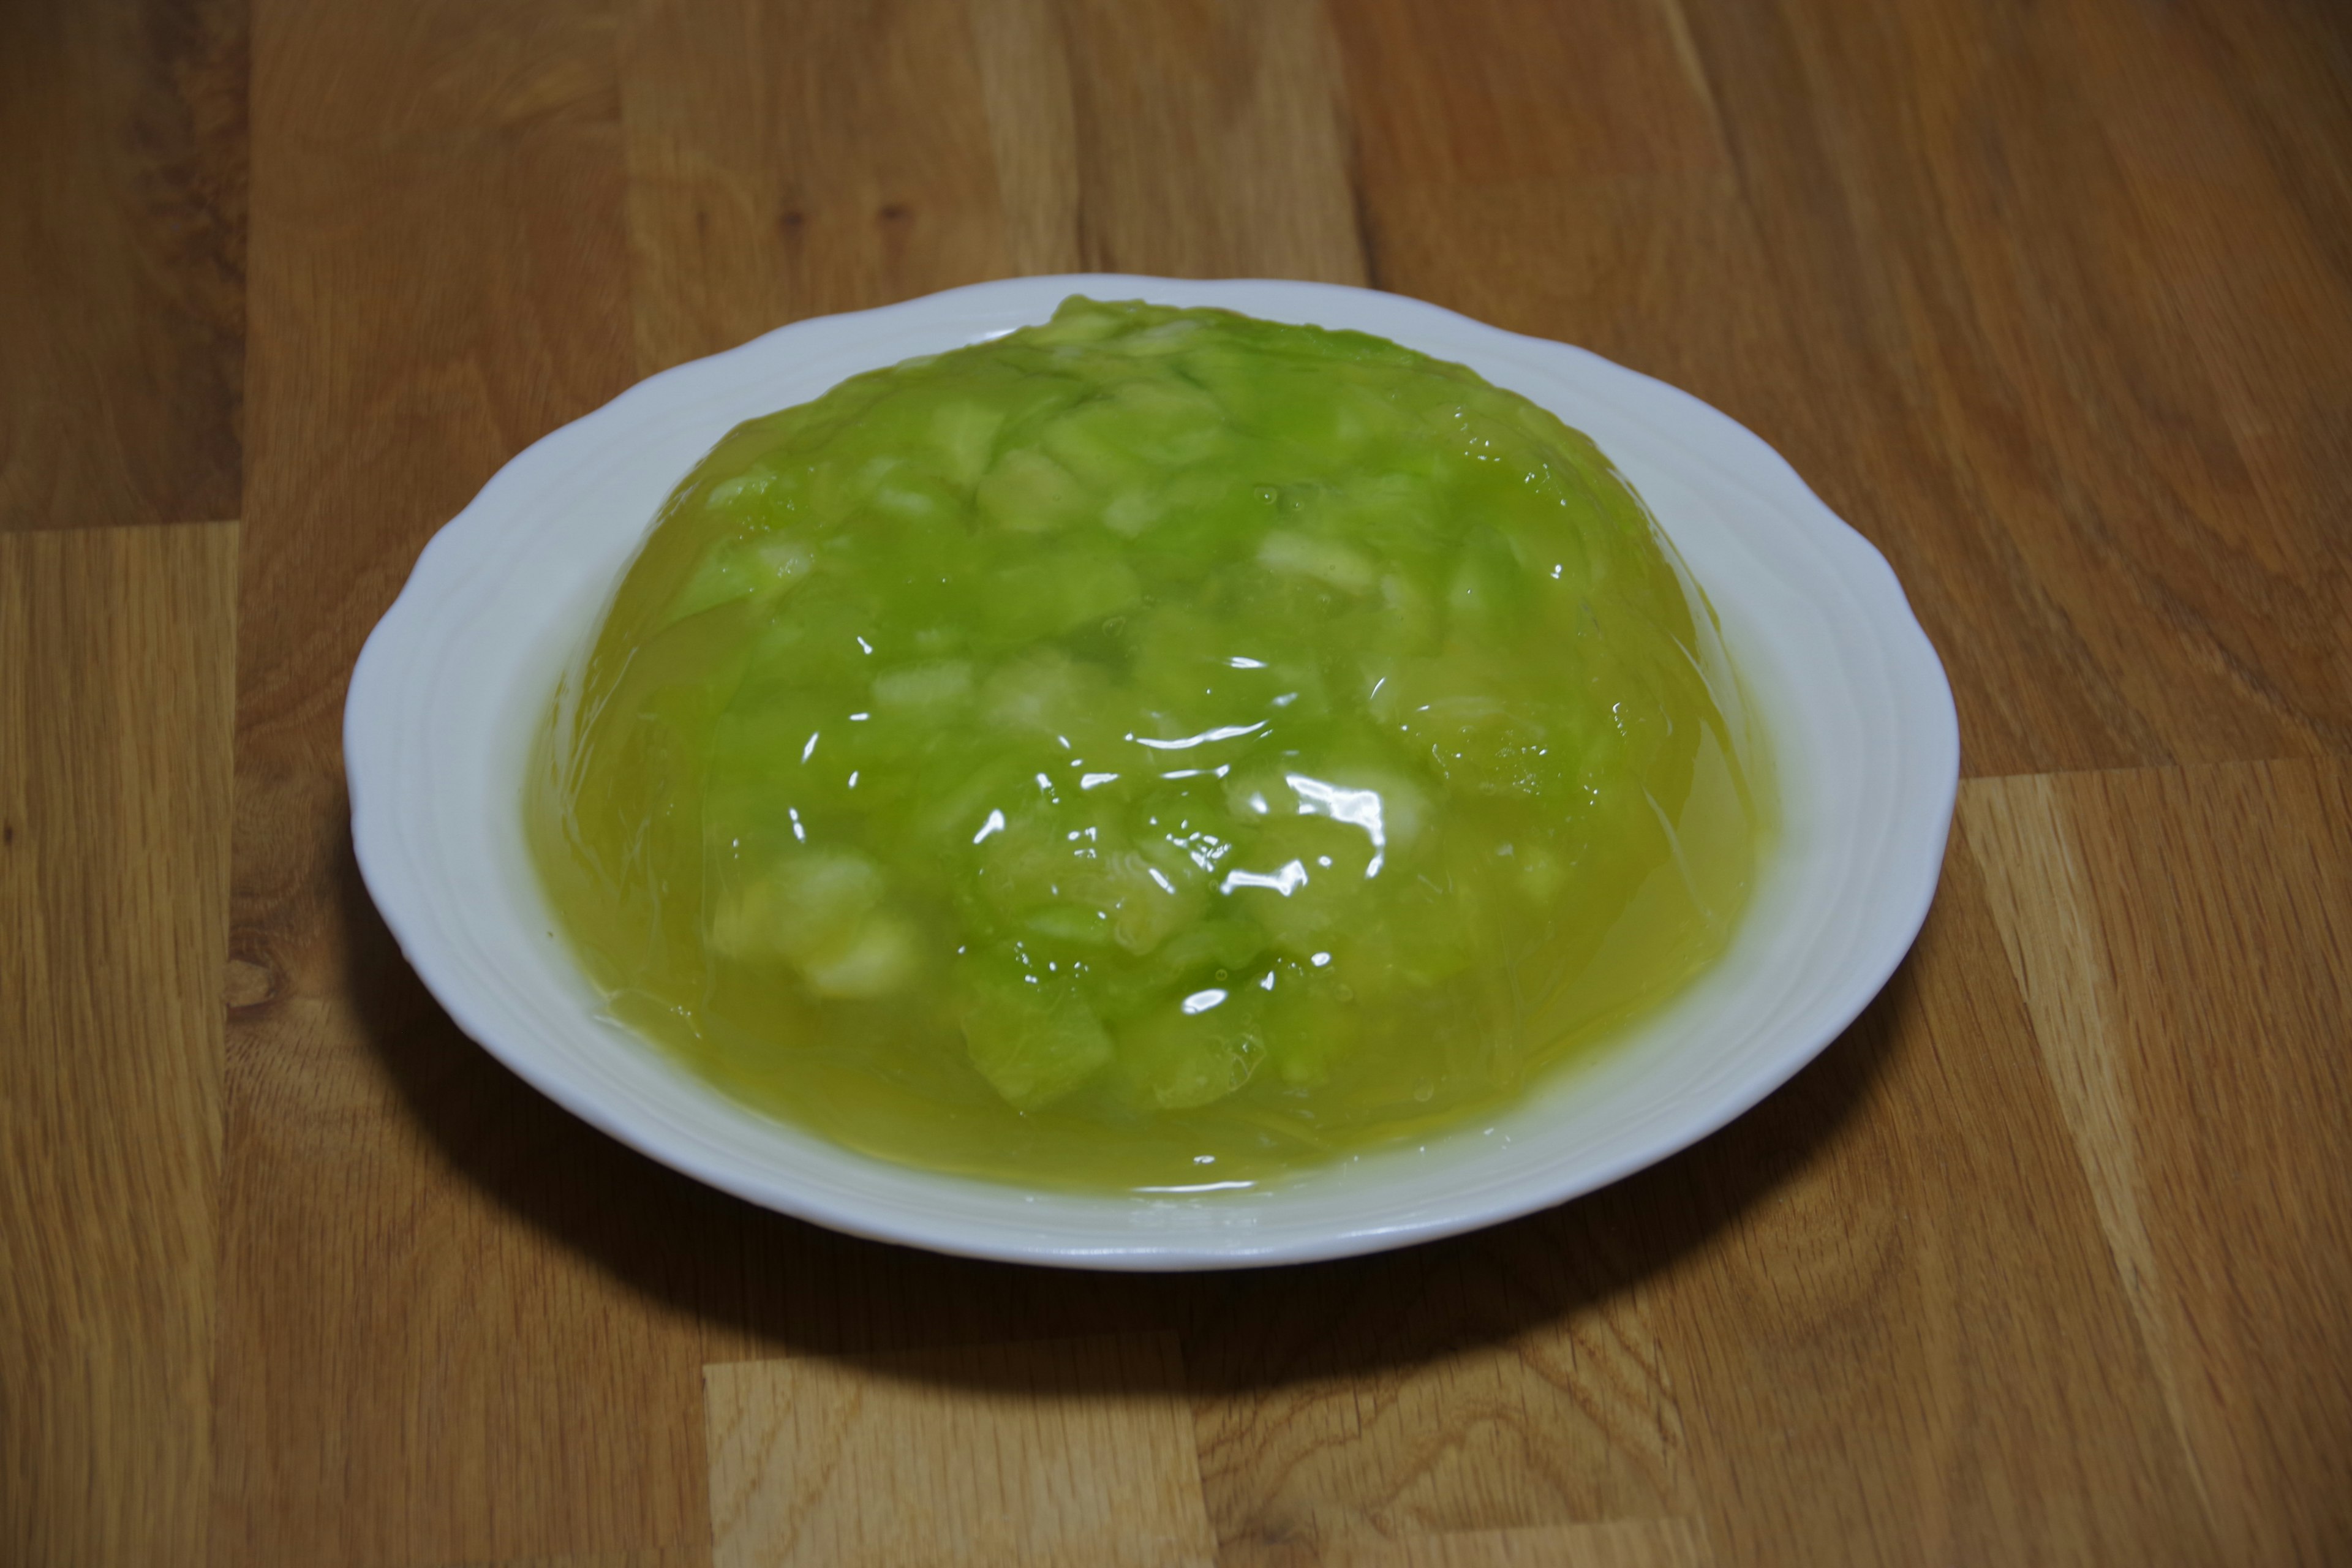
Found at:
(116, 657)
(2008, 243)
(1609, 216)
(1500, 92)
(121, 262)
(407, 1371)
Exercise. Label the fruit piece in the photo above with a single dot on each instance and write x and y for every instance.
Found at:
(1028, 492)
(1194, 1049)
(822, 911)
(1327, 560)
(928, 688)
(1034, 1044)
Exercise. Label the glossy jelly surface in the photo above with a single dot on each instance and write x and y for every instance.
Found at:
(1152, 750)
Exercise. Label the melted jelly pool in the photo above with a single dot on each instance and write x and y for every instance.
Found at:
(1151, 750)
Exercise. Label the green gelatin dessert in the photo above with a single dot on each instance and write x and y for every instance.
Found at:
(1155, 749)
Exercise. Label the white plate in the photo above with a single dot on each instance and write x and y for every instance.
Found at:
(1863, 734)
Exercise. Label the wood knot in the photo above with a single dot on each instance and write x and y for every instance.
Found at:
(250, 982)
(896, 212)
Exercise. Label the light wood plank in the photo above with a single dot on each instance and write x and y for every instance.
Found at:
(1076, 1452)
(2040, 898)
(1899, 1332)
(116, 669)
(1615, 1543)
(792, 160)
(1032, 137)
(121, 262)
(1189, 140)
(2184, 941)
(422, 1353)
(1553, 1410)
(678, 1557)
(1213, 139)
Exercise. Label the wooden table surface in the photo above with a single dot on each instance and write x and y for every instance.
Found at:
(2047, 1259)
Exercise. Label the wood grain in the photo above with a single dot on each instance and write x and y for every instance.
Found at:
(1027, 89)
(2068, 444)
(439, 275)
(1622, 1543)
(1071, 1454)
(121, 262)
(679, 1557)
(788, 160)
(115, 699)
(1566, 1416)
(2183, 939)
(832, 158)
(1610, 217)
(1212, 140)
(1903, 1257)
